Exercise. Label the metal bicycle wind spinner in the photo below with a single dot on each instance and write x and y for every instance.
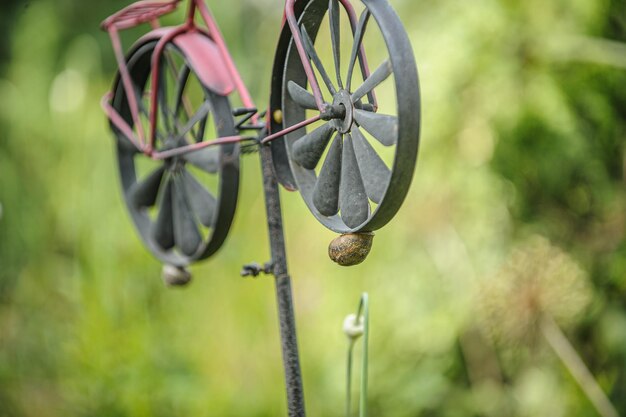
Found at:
(348, 144)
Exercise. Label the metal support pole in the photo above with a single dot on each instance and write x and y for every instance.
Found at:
(286, 317)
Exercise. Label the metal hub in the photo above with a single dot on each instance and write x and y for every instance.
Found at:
(342, 104)
(173, 163)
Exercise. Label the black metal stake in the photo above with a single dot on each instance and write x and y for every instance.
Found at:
(286, 317)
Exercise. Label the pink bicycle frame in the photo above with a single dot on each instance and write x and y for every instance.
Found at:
(147, 11)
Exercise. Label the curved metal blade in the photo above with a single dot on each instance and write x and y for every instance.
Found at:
(207, 159)
(144, 193)
(310, 50)
(301, 96)
(381, 74)
(200, 199)
(186, 234)
(333, 16)
(308, 150)
(352, 197)
(358, 39)
(163, 229)
(382, 126)
(326, 191)
(373, 170)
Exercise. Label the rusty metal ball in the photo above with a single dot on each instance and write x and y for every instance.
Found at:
(175, 276)
(350, 249)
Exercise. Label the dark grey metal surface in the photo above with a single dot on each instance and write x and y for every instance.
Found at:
(308, 150)
(310, 50)
(378, 76)
(333, 15)
(186, 234)
(301, 96)
(374, 171)
(144, 193)
(203, 204)
(353, 201)
(174, 235)
(326, 191)
(289, 342)
(383, 127)
(358, 38)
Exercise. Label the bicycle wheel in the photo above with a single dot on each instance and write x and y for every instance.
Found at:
(354, 168)
(181, 206)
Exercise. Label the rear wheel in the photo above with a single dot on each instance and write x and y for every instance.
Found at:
(182, 206)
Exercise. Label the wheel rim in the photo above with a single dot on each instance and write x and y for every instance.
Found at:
(181, 206)
(353, 171)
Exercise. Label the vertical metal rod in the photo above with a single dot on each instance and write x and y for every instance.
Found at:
(286, 317)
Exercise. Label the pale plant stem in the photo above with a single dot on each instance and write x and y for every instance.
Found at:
(349, 380)
(572, 361)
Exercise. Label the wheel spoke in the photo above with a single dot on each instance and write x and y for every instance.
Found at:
(163, 230)
(200, 199)
(308, 149)
(202, 113)
(186, 234)
(199, 136)
(183, 76)
(162, 96)
(207, 159)
(358, 40)
(373, 170)
(144, 193)
(333, 15)
(381, 74)
(301, 96)
(352, 197)
(310, 50)
(182, 101)
(143, 110)
(383, 127)
(139, 96)
(326, 191)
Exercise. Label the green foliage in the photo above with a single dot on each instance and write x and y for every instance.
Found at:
(523, 135)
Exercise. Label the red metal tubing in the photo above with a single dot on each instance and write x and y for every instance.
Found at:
(291, 129)
(306, 63)
(119, 122)
(156, 57)
(138, 13)
(217, 37)
(228, 139)
(127, 82)
(197, 146)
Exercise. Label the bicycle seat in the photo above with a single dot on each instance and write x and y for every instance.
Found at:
(138, 13)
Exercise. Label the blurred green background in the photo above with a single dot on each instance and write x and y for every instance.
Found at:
(513, 234)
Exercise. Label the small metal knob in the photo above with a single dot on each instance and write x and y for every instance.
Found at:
(175, 276)
(350, 249)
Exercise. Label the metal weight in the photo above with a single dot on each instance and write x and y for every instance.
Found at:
(350, 249)
(175, 276)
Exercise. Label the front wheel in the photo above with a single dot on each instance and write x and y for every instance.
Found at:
(354, 170)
